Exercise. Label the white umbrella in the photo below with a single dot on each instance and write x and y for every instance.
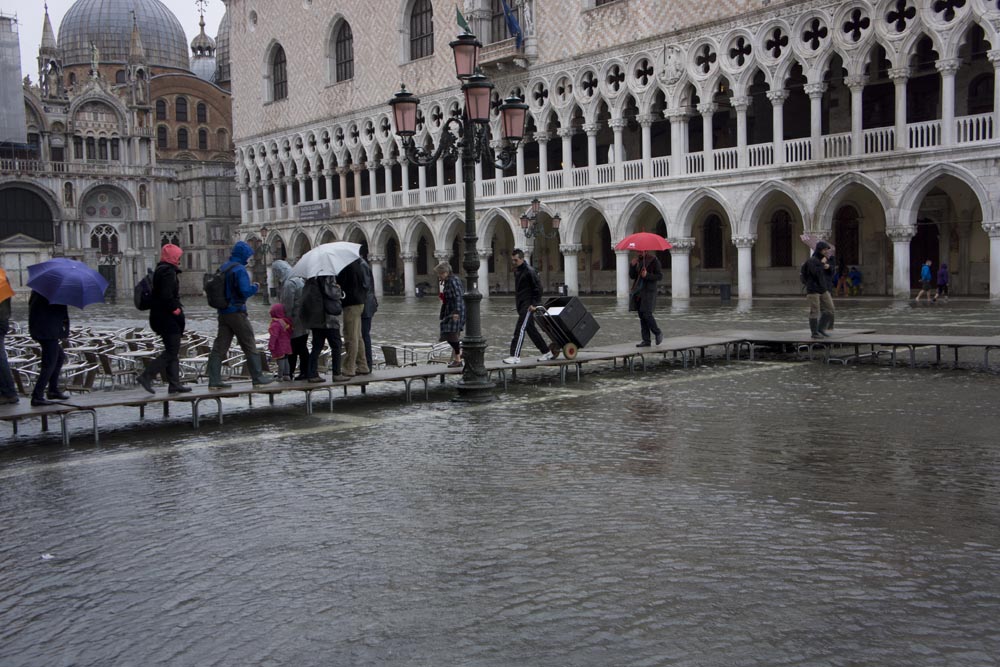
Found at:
(328, 259)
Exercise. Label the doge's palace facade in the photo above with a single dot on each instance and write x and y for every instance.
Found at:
(731, 128)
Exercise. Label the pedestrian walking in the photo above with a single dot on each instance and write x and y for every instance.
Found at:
(290, 295)
(8, 390)
(371, 307)
(645, 272)
(166, 318)
(279, 342)
(816, 276)
(321, 309)
(855, 277)
(48, 323)
(452, 315)
(352, 280)
(527, 297)
(943, 278)
(233, 321)
(926, 278)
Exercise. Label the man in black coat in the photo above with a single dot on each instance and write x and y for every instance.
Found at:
(816, 274)
(166, 317)
(352, 280)
(48, 323)
(527, 296)
(645, 272)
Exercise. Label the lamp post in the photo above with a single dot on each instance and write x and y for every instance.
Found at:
(533, 229)
(264, 248)
(472, 144)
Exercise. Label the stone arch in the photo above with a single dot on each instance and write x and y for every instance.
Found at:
(747, 222)
(445, 231)
(300, 243)
(572, 224)
(411, 233)
(918, 188)
(830, 199)
(684, 222)
(129, 215)
(627, 219)
(488, 223)
(353, 231)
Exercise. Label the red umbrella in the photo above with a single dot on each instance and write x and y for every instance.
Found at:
(643, 241)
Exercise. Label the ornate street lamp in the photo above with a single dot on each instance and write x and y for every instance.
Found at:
(470, 141)
(533, 229)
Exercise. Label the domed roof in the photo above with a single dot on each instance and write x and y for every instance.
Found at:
(202, 44)
(108, 24)
(222, 49)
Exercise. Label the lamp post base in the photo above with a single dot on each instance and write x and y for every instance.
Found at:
(475, 386)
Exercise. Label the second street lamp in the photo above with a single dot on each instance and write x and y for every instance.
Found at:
(466, 137)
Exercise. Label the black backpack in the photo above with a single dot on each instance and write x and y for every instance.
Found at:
(142, 295)
(215, 288)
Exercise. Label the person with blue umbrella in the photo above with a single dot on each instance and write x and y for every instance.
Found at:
(55, 284)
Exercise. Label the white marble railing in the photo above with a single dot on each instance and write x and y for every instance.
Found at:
(581, 177)
(397, 200)
(661, 166)
(532, 182)
(726, 159)
(798, 150)
(555, 180)
(760, 155)
(488, 188)
(451, 192)
(431, 195)
(509, 185)
(695, 163)
(879, 140)
(111, 168)
(413, 198)
(633, 170)
(605, 174)
(924, 135)
(837, 145)
(972, 129)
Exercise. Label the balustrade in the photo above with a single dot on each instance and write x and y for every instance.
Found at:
(581, 177)
(695, 162)
(879, 140)
(726, 159)
(798, 150)
(837, 145)
(661, 166)
(760, 155)
(508, 185)
(971, 129)
(633, 170)
(532, 182)
(924, 135)
(605, 174)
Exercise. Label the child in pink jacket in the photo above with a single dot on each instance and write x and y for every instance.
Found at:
(280, 343)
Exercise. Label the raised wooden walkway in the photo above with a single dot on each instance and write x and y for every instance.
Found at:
(687, 349)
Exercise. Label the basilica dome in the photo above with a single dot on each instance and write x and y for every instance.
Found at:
(108, 24)
(222, 50)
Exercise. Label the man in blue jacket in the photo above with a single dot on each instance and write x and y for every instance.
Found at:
(48, 323)
(233, 321)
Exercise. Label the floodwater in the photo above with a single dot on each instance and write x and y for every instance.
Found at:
(767, 513)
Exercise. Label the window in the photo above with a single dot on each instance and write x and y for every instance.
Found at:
(182, 139)
(77, 148)
(498, 20)
(161, 137)
(91, 149)
(344, 51)
(279, 74)
(68, 194)
(181, 110)
(120, 76)
(222, 140)
(421, 30)
(143, 197)
(161, 110)
(115, 150)
(203, 140)
(712, 246)
(781, 239)
(202, 112)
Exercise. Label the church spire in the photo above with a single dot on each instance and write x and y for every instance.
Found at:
(49, 45)
(136, 52)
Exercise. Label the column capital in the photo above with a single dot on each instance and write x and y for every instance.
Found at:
(300, 178)
(565, 132)
(947, 65)
(242, 187)
(372, 165)
(855, 82)
(389, 163)
(570, 248)
(901, 233)
(342, 171)
(820, 234)
(745, 241)
(992, 229)
(484, 253)
(676, 115)
(375, 259)
(899, 74)
(777, 97)
(328, 173)
(682, 244)
(541, 137)
(646, 119)
(442, 255)
(993, 55)
(622, 252)
(408, 256)
(592, 129)
(356, 168)
(288, 180)
(617, 124)
(814, 89)
(741, 102)
(707, 108)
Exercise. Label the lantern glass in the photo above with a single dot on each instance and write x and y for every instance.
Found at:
(556, 220)
(513, 112)
(525, 222)
(404, 110)
(466, 49)
(477, 89)
(536, 206)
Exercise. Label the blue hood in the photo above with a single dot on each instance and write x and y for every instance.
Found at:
(242, 252)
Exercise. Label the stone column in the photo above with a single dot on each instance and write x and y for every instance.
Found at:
(993, 229)
(542, 139)
(592, 129)
(268, 205)
(680, 267)
(301, 178)
(571, 267)
(678, 139)
(373, 181)
(741, 104)
(621, 274)
(744, 255)
(948, 68)
(856, 84)
(646, 123)
(519, 168)
(253, 204)
(377, 262)
(899, 76)
(815, 92)
(315, 179)
(328, 175)
(484, 270)
(409, 273)
(342, 175)
(244, 203)
(617, 126)
(422, 184)
(439, 167)
(356, 168)
(994, 57)
(901, 235)
(778, 98)
(404, 165)
(387, 166)
(497, 146)
(290, 197)
(707, 110)
(566, 134)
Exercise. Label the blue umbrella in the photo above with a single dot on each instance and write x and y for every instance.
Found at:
(67, 281)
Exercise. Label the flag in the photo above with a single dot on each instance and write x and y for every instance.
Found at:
(512, 25)
(462, 23)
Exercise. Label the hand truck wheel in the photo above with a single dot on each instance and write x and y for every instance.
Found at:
(569, 351)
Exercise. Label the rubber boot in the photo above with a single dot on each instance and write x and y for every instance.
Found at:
(814, 327)
(214, 370)
(824, 322)
(829, 326)
(258, 376)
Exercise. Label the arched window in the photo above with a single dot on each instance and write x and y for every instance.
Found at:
(72, 79)
(120, 76)
(182, 139)
(203, 139)
(781, 239)
(105, 239)
(498, 20)
(344, 52)
(222, 140)
(77, 148)
(421, 29)
(116, 149)
(143, 197)
(181, 109)
(68, 194)
(279, 74)
(91, 149)
(102, 149)
(712, 253)
(202, 112)
(161, 136)
(161, 110)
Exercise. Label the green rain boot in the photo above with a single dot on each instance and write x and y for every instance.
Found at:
(214, 370)
(258, 376)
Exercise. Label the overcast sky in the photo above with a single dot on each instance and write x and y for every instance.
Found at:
(31, 13)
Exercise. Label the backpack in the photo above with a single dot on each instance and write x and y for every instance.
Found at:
(215, 288)
(311, 311)
(142, 294)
